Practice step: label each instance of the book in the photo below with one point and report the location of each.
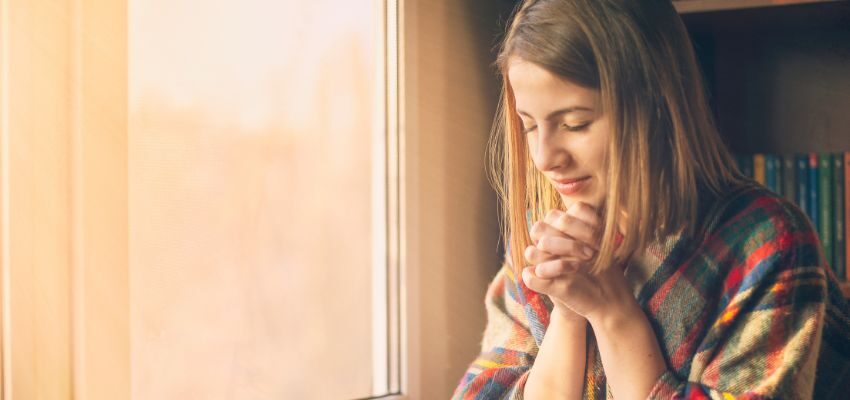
(758, 169)
(745, 163)
(825, 198)
(813, 203)
(802, 175)
(846, 212)
(839, 245)
(770, 172)
(777, 173)
(789, 188)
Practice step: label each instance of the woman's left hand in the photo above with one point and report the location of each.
(592, 295)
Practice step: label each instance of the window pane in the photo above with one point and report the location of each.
(255, 158)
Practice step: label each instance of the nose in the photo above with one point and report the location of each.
(550, 153)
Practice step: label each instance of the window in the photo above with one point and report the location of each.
(262, 199)
(200, 199)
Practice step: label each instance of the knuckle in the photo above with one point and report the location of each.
(528, 275)
(533, 235)
(554, 268)
(563, 265)
(545, 243)
(543, 269)
(529, 252)
(563, 218)
(585, 211)
(568, 224)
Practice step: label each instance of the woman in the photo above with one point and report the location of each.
(640, 263)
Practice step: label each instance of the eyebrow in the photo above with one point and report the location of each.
(558, 112)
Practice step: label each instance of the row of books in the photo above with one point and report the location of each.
(819, 183)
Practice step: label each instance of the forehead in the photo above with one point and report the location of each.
(539, 91)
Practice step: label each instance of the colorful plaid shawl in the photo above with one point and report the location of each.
(747, 309)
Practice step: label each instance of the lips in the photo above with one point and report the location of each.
(569, 187)
(568, 181)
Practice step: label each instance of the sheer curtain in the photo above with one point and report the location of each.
(254, 159)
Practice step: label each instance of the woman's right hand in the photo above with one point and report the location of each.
(550, 243)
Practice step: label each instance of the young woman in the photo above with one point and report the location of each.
(640, 263)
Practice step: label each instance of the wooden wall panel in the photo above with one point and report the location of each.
(449, 99)
(36, 59)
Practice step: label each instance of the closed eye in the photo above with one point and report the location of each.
(576, 128)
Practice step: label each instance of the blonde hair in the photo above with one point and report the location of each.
(664, 148)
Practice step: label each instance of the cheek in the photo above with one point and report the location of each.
(601, 161)
(531, 152)
(600, 153)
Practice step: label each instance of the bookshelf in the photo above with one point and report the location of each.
(777, 73)
(696, 6)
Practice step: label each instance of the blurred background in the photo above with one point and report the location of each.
(252, 200)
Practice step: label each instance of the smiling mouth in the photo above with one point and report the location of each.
(572, 186)
(567, 181)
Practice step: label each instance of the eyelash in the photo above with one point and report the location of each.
(569, 128)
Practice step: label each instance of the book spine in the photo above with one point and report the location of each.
(758, 168)
(846, 213)
(813, 190)
(802, 175)
(839, 245)
(770, 172)
(777, 173)
(789, 187)
(825, 206)
(747, 166)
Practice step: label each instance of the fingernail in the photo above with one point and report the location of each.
(526, 275)
(588, 252)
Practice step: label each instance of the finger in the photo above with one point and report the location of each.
(564, 247)
(535, 255)
(572, 227)
(586, 213)
(556, 268)
(540, 229)
(535, 283)
(556, 288)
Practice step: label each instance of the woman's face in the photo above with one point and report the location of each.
(566, 134)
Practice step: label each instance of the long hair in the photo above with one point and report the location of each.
(664, 147)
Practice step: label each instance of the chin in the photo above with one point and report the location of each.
(594, 201)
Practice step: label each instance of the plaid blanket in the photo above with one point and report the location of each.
(745, 309)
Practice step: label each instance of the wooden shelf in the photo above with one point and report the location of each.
(776, 70)
(698, 6)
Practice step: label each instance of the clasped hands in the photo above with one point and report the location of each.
(564, 247)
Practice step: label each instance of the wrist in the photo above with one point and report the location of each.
(629, 348)
(618, 317)
(564, 314)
